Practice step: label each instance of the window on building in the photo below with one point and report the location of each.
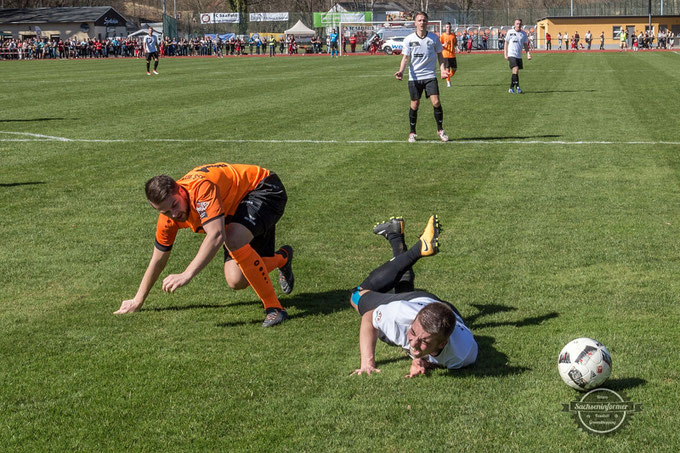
(616, 31)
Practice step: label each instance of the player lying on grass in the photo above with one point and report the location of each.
(236, 207)
(429, 329)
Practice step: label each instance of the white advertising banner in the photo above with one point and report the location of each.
(268, 17)
(220, 18)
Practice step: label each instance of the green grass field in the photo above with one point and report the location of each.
(561, 217)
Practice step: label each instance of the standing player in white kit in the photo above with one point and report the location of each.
(424, 50)
(515, 41)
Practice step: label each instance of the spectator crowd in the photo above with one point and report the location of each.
(43, 48)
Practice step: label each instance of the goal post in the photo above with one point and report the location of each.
(364, 31)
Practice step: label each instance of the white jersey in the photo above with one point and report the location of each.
(151, 43)
(394, 320)
(515, 41)
(423, 53)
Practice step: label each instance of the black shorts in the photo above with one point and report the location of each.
(259, 211)
(450, 63)
(151, 55)
(515, 62)
(416, 87)
(373, 299)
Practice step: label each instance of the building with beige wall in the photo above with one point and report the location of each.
(610, 25)
(99, 22)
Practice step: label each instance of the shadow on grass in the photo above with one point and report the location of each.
(379, 363)
(490, 361)
(15, 184)
(185, 307)
(489, 309)
(308, 304)
(485, 310)
(559, 91)
(28, 120)
(621, 384)
(508, 137)
(458, 84)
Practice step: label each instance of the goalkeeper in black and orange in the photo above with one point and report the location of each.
(449, 42)
(236, 207)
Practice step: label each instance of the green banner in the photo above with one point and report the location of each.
(325, 19)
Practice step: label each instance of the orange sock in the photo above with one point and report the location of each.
(273, 262)
(257, 273)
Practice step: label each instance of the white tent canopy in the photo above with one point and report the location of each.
(300, 29)
(157, 30)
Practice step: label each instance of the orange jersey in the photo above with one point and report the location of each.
(448, 41)
(214, 190)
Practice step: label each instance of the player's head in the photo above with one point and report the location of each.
(150, 31)
(166, 196)
(420, 20)
(448, 27)
(431, 329)
(518, 24)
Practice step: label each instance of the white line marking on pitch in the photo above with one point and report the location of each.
(50, 138)
(47, 137)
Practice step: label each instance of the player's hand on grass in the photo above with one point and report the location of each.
(128, 306)
(174, 281)
(418, 367)
(399, 75)
(445, 74)
(365, 370)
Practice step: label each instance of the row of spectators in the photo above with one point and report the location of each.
(645, 40)
(261, 45)
(35, 48)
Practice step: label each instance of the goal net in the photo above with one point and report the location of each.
(366, 31)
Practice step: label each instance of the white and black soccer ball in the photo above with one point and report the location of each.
(584, 364)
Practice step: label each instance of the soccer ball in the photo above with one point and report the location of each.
(584, 364)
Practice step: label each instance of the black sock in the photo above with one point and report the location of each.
(515, 81)
(148, 63)
(405, 283)
(155, 65)
(397, 243)
(413, 118)
(385, 277)
(439, 117)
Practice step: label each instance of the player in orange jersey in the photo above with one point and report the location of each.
(236, 207)
(449, 42)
